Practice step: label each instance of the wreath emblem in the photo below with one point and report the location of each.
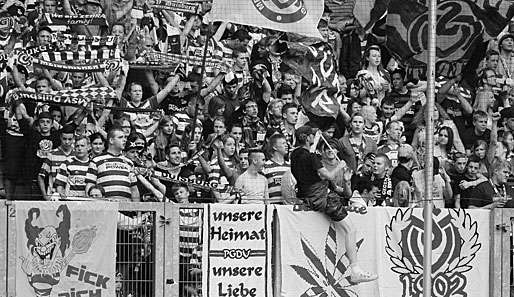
(455, 240)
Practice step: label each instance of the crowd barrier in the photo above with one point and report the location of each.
(148, 258)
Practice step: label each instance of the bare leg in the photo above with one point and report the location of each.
(350, 241)
(357, 275)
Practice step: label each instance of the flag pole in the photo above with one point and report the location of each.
(429, 143)
(201, 79)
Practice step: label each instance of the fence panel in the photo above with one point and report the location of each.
(187, 250)
(139, 250)
(496, 261)
(3, 249)
(507, 250)
(11, 249)
(171, 270)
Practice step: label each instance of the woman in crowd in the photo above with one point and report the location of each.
(444, 148)
(97, 144)
(374, 78)
(441, 119)
(164, 136)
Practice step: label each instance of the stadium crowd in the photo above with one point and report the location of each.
(172, 132)
(225, 135)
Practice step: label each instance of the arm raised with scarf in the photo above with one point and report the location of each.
(54, 83)
(171, 82)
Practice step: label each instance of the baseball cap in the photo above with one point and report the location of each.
(503, 37)
(44, 28)
(45, 115)
(97, 2)
(242, 35)
(507, 113)
(131, 145)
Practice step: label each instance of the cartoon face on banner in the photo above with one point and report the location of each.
(281, 11)
(50, 250)
(455, 244)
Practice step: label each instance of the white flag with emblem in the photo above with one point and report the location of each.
(297, 16)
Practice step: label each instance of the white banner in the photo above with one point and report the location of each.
(237, 250)
(390, 241)
(297, 16)
(65, 249)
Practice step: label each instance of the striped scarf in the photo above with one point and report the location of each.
(69, 97)
(68, 39)
(153, 66)
(198, 184)
(195, 60)
(107, 65)
(358, 149)
(68, 20)
(81, 55)
(176, 6)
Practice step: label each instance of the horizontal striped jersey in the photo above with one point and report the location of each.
(218, 176)
(273, 172)
(114, 173)
(52, 163)
(181, 120)
(189, 231)
(72, 176)
(141, 120)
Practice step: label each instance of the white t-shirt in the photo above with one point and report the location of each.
(254, 189)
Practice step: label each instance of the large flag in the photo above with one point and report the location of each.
(368, 12)
(298, 16)
(65, 249)
(321, 101)
(313, 260)
(316, 64)
(461, 24)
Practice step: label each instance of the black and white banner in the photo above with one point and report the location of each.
(237, 250)
(69, 39)
(69, 97)
(173, 5)
(68, 20)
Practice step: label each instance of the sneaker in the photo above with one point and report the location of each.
(360, 276)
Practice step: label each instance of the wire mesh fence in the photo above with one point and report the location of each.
(135, 254)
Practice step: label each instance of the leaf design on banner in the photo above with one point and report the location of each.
(324, 280)
(305, 274)
(393, 248)
(468, 231)
(312, 259)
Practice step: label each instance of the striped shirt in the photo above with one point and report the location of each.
(243, 77)
(141, 120)
(216, 175)
(189, 231)
(181, 120)
(53, 162)
(72, 176)
(273, 172)
(114, 173)
(373, 133)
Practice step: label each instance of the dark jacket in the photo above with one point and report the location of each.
(348, 154)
